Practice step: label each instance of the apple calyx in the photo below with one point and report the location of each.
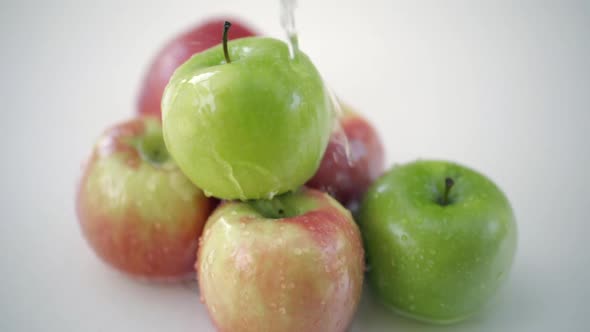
(448, 185)
(152, 148)
(226, 26)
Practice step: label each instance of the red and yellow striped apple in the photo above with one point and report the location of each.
(137, 210)
(291, 264)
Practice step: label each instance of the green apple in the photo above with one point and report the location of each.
(440, 239)
(291, 264)
(251, 127)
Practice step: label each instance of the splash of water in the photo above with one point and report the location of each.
(338, 134)
(288, 24)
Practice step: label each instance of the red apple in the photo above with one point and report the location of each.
(176, 52)
(291, 264)
(137, 210)
(347, 178)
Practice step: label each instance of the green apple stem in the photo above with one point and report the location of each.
(448, 185)
(226, 27)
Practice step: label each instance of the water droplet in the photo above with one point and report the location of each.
(210, 257)
(282, 310)
(412, 307)
(432, 251)
(297, 251)
(291, 285)
(404, 237)
(411, 297)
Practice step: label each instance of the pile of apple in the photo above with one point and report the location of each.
(222, 183)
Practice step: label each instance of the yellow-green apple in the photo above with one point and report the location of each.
(246, 119)
(175, 53)
(137, 210)
(294, 263)
(347, 176)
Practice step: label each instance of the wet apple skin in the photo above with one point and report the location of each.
(300, 273)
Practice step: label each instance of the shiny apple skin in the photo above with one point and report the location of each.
(435, 259)
(293, 274)
(344, 177)
(252, 128)
(142, 218)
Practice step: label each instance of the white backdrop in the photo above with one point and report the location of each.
(501, 86)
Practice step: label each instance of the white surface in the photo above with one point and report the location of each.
(501, 86)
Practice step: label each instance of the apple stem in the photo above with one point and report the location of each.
(448, 185)
(226, 27)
